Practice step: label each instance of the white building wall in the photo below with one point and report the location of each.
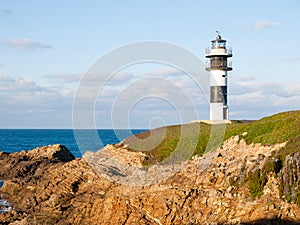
(218, 51)
(218, 78)
(218, 111)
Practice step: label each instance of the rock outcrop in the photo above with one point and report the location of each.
(48, 186)
(290, 178)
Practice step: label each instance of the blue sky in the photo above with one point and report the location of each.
(46, 46)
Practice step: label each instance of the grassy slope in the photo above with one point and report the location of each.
(195, 137)
(198, 138)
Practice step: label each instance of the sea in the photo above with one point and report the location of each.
(15, 140)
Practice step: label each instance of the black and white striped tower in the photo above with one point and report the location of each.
(218, 67)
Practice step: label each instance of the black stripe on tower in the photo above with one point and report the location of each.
(218, 94)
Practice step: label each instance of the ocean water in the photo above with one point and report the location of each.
(15, 140)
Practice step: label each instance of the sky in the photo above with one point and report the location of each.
(47, 47)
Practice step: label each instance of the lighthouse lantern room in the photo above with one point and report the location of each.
(218, 67)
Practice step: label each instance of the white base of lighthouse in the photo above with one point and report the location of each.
(218, 111)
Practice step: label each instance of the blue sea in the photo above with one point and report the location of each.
(15, 140)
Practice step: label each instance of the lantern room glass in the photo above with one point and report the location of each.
(218, 44)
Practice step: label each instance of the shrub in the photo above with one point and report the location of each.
(256, 183)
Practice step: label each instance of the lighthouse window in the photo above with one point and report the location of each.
(222, 44)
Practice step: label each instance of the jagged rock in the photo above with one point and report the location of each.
(290, 178)
(44, 187)
(53, 152)
(23, 164)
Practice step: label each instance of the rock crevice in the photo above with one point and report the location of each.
(49, 186)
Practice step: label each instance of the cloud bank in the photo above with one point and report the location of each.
(249, 99)
(24, 103)
(64, 78)
(27, 45)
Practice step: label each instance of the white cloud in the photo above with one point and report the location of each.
(245, 78)
(169, 71)
(241, 86)
(121, 78)
(293, 59)
(64, 78)
(16, 85)
(51, 105)
(262, 24)
(5, 11)
(27, 44)
(18, 94)
(167, 92)
(253, 100)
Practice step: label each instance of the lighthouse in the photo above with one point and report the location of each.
(218, 66)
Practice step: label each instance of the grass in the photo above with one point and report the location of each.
(198, 138)
(180, 142)
(270, 130)
(256, 183)
(257, 180)
(175, 143)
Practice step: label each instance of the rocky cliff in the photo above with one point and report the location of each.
(231, 185)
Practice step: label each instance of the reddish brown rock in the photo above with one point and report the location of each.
(48, 186)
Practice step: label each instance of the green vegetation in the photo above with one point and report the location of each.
(256, 183)
(275, 129)
(297, 198)
(292, 146)
(180, 142)
(197, 138)
(270, 130)
(234, 181)
(258, 179)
